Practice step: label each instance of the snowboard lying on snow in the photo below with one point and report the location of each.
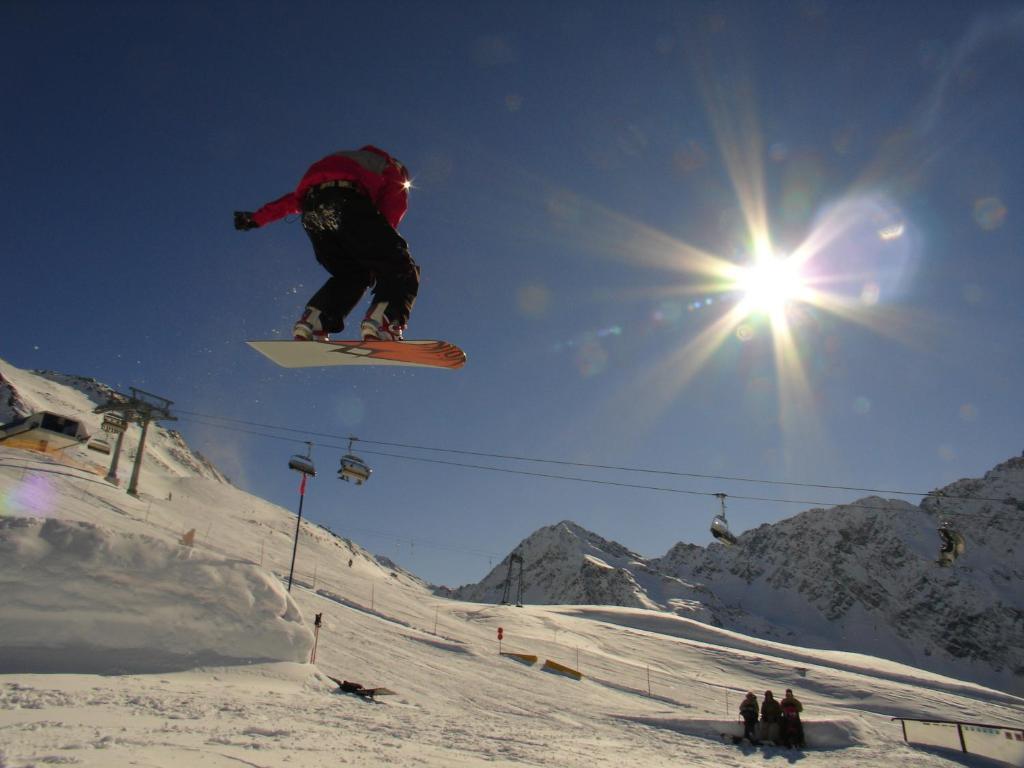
(347, 686)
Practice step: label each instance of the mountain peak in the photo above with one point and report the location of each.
(856, 577)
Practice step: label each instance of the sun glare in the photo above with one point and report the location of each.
(770, 284)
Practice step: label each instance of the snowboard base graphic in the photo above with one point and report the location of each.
(313, 354)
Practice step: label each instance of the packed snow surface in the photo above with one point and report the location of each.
(130, 603)
(204, 659)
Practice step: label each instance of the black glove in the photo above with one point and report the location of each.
(243, 220)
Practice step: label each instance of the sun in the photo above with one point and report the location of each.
(770, 284)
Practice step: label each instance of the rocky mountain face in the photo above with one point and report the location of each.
(860, 577)
(567, 564)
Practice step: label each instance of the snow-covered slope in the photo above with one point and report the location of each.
(657, 688)
(857, 577)
(23, 393)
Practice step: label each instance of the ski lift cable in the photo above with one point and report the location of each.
(619, 484)
(422, 542)
(396, 537)
(584, 465)
(548, 475)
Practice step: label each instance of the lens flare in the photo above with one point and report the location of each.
(533, 300)
(32, 497)
(891, 232)
(989, 213)
(968, 412)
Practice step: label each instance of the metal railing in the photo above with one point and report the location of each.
(997, 742)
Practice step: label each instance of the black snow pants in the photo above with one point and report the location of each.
(355, 243)
(750, 728)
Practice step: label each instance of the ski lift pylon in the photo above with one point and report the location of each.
(303, 464)
(353, 469)
(720, 526)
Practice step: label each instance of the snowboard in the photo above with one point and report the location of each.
(312, 354)
(347, 686)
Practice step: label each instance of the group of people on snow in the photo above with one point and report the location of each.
(779, 720)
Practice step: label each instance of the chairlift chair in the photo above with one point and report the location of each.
(303, 464)
(953, 545)
(353, 469)
(720, 526)
(98, 443)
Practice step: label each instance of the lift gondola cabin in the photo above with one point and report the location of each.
(953, 545)
(43, 431)
(112, 425)
(99, 443)
(720, 526)
(303, 464)
(353, 469)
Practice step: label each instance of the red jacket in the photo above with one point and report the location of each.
(384, 179)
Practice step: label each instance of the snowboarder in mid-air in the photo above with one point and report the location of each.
(351, 203)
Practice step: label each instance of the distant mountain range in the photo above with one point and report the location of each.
(860, 577)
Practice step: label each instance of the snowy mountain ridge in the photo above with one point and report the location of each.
(859, 577)
(170, 463)
(23, 393)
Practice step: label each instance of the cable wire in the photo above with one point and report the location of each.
(584, 465)
(553, 476)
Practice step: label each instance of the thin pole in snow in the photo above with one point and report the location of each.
(298, 524)
(316, 637)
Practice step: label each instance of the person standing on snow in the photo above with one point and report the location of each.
(351, 204)
(771, 712)
(792, 728)
(749, 712)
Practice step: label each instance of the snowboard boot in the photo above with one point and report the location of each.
(377, 327)
(308, 327)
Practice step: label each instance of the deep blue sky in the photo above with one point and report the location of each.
(564, 155)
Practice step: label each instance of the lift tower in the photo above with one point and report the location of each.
(140, 407)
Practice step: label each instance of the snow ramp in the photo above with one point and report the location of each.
(78, 598)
